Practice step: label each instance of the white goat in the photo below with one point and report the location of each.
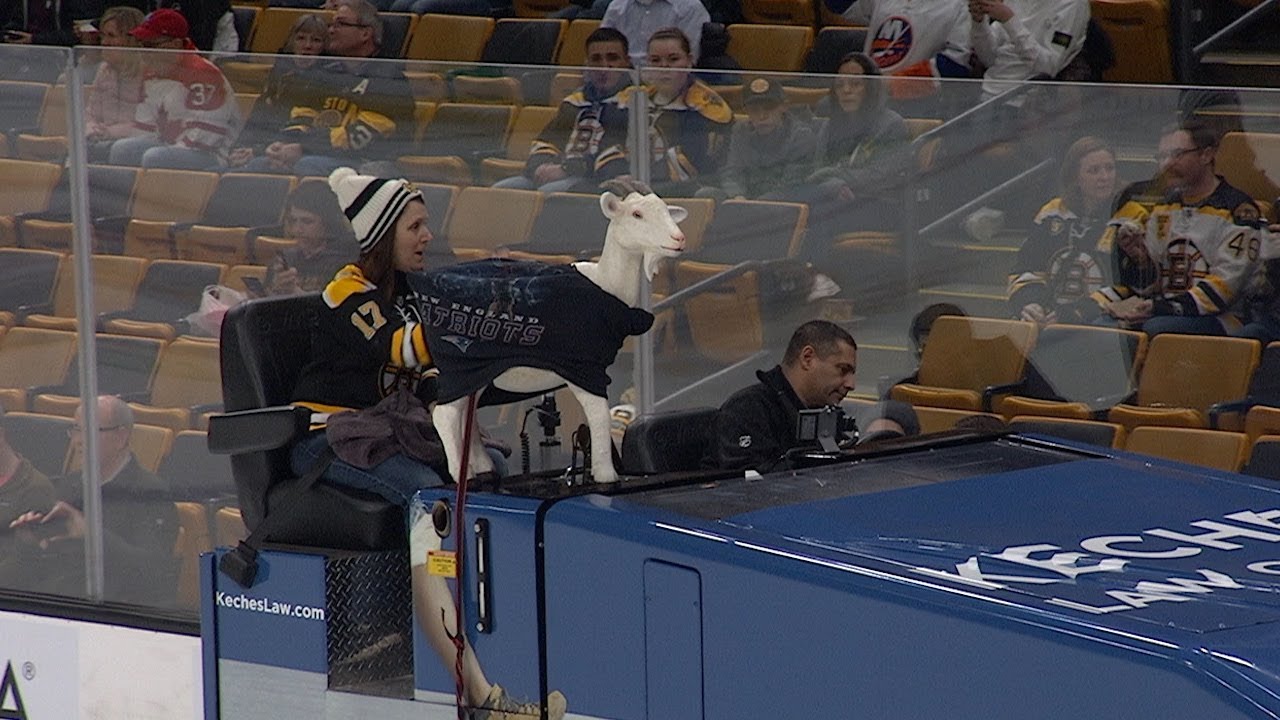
(642, 231)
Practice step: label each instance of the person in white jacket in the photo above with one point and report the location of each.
(1016, 40)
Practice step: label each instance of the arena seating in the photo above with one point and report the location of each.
(32, 357)
(1184, 375)
(1091, 432)
(1211, 448)
(1074, 371)
(963, 358)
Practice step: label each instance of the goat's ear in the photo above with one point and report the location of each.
(678, 214)
(610, 205)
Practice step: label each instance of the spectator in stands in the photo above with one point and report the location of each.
(887, 420)
(347, 111)
(139, 522)
(1067, 257)
(40, 22)
(756, 426)
(1262, 303)
(923, 321)
(771, 150)
(1017, 40)
(642, 20)
(213, 26)
(117, 87)
(301, 51)
(1204, 240)
(863, 154)
(188, 116)
(325, 243)
(687, 119)
(22, 487)
(912, 40)
(590, 126)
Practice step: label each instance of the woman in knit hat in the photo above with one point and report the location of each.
(371, 342)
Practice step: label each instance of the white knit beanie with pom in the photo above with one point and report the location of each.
(372, 204)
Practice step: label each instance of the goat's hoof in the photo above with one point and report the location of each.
(603, 478)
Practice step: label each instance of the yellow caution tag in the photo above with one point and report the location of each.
(442, 562)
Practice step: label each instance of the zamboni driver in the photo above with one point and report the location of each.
(756, 426)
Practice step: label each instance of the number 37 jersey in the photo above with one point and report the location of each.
(1205, 251)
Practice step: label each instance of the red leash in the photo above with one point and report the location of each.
(459, 542)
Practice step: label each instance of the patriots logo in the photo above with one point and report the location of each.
(892, 41)
(458, 341)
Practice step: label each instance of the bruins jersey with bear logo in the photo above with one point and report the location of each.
(1205, 250)
(365, 346)
(1067, 257)
(360, 114)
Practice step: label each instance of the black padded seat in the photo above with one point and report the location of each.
(667, 442)
(265, 343)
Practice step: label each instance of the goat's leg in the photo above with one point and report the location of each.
(596, 410)
(448, 418)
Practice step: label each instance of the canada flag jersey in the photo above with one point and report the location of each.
(190, 105)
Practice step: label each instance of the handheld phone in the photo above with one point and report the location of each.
(254, 285)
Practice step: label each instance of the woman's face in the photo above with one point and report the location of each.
(850, 86)
(412, 236)
(115, 37)
(304, 226)
(305, 42)
(668, 53)
(1096, 178)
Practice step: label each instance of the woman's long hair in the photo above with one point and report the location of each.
(1069, 172)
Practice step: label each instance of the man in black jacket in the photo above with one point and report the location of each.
(756, 426)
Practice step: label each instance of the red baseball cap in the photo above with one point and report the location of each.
(163, 23)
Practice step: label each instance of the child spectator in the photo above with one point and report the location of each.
(325, 243)
(771, 150)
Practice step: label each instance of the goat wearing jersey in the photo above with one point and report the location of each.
(365, 346)
(912, 38)
(351, 113)
(1066, 259)
(189, 104)
(1205, 250)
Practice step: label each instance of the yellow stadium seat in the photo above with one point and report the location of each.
(963, 357)
(487, 218)
(1216, 449)
(449, 38)
(1184, 375)
(1139, 33)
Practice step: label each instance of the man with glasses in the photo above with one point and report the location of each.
(188, 117)
(1204, 238)
(348, 111)
(139, 521)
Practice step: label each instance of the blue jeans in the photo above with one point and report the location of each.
(520, 182)
(447, 7)
(397, 478)
(151, 153)
(1181, 325)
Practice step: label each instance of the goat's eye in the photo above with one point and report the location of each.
(636, 214)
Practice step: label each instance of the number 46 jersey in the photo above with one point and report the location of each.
(1206, 251)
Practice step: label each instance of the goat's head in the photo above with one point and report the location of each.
(640, 222)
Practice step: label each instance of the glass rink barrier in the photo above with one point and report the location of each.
(1086, 262)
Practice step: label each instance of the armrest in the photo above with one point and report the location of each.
(205, 407)
(24, 311)
(989, 393)
(246, 431)
(35, 390)
(50, 215)
(1226, 408)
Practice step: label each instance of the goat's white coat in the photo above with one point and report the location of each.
(642, 231)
